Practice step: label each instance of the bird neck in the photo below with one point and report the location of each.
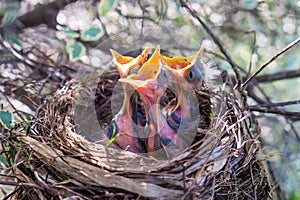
(126, 106)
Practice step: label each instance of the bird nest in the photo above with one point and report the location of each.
(224, 162)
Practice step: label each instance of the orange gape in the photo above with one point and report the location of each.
(125, 63)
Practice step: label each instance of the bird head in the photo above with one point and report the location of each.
(150, 84)
(149, 79)
(125, 64)
(185, 74)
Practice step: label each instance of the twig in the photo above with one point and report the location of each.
(143, 14)
(100, 20)
(252, 53)
(271, 60)
(145, 17)
(253, 183)
(280, 104)
(21, 184)
(12, 105)
(293, 129)
(272, 77)
(278, 76)
(217, 41)
(45, 14)
(292, 115)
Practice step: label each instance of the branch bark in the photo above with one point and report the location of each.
(45, 14)
(217, 41)
(278, 76)
(271, 60)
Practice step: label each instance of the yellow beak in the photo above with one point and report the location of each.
(179, 62)
(151, 68)
(145, 79)
(125, 63)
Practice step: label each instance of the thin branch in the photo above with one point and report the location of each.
(280, 104)
(291, 115)
(145, 17)
(217, 41)
(21, 184)
(293, 129)
(143, 14)
(271, 77)
(271, 60)
(278, 76)
(45, 14)
(252, 52)
(254, 96)
(100, 20)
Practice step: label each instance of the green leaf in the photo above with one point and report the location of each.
(93, 33)
(293, 3)
(105, 6)
(13, 39)
(27, 116)
(111, 140)
(6, 119)
(211, 116)
(37, 5)
(75, 50)
(3, 160)
(69, 31)
(10, 12)
(249, 4)
(271, 5)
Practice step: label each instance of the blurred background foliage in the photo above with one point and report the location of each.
(252, 31)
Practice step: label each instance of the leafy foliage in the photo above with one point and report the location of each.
(6, 119)
(93, 33)
(69, 32)
(105, 6)
(75, 50)
(10, 12)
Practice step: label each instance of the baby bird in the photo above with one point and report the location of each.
(123, 128)
(127, 65)
(185, 75)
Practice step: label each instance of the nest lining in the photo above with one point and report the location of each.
(62, 163)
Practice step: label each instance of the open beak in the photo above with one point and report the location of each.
(178, 68)
(194, 57)
(151, 68)
(125, 63)
(179, 62)
(119, 59)
(146, 74)
(145, 81)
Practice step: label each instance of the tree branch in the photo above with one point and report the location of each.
(217, 41)
(271, 77)
(278, 76)
(280, 104)
(271, 60)
(45, 14)
(291, 115)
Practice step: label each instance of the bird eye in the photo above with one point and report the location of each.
(193, 75)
